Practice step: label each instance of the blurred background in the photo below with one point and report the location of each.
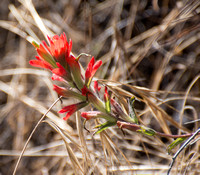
(150, 44)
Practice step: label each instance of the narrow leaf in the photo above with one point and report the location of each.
(104, 126)
(132, 110)
(174, 144)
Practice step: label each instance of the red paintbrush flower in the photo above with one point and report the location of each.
(58, 58)
(57, 51)
(91, 70)
(61, 50)
(72, 108)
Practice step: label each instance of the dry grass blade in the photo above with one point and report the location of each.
(29, 138)
(186, 95)
(34, 104)
(21, 71)
(22, 22)
(29, 5)
(117, 148)
(111, 149)
(86, 156)
(13, 28)
(76, 165)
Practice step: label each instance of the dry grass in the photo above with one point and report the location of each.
(150, 49)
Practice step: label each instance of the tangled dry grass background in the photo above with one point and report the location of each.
(153, 45)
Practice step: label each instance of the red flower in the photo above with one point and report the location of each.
(97, 88)
(58, 51)
(44, 56)
(57, 57)
(72, 108)
(91, 70)
(59, 47)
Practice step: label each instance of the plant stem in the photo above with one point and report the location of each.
(135, 127)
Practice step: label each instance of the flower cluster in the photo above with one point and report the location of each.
(65, 67)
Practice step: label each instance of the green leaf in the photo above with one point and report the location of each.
(132, 114)
(174, 144)
(108, 105)
(104, 126)
(147, 131)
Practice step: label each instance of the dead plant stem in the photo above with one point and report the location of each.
(29, 138)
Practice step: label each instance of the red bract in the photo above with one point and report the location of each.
(59, 47)
(106, 95)
(69, 109)
(61, 72)
(91, 70)
(56, 77)
(58, 51)
(59, 90)
(93, 114)
(97, 88)
(72, 108)
(45, 55)
(40, 63)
